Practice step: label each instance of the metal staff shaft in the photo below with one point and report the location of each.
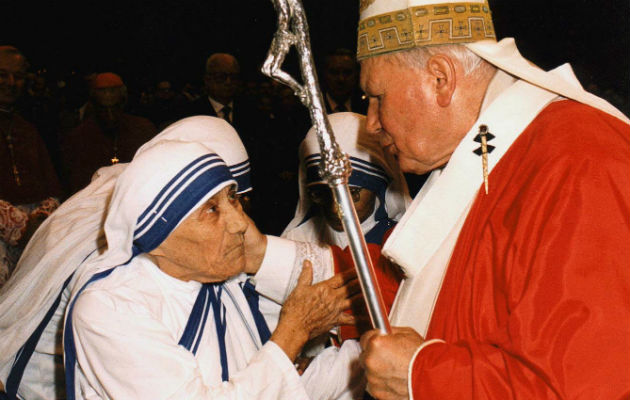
(334, 167)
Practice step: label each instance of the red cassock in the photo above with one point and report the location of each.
(535, 303)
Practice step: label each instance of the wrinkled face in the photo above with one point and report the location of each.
(340, 76)
(222, 79)
(321, 195)
(208, 245)
(404, 113)
(12, 77)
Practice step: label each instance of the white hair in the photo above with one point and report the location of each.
(418, 56)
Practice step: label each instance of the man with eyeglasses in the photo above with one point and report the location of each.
(222, 82)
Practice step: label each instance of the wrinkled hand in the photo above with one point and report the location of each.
(255, 246)
(386, 359)
(311, 310)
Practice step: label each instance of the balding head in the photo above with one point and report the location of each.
(222, 77)
(219, 61)
(13, 66)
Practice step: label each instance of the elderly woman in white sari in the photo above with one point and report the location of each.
(166, 310)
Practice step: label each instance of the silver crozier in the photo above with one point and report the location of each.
(334, 167)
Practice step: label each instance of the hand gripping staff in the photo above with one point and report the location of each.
(334, 167)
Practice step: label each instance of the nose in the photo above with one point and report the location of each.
(372, 122)
(236, 222)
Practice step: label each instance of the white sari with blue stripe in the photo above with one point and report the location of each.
(132, 331)
(131, 325)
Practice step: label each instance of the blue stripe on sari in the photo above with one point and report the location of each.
(171, 188)
(180, 206)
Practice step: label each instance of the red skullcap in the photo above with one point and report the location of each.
(106, 80)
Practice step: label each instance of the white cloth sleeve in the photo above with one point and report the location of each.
(336, 373)
(123, 356)
(282, 266)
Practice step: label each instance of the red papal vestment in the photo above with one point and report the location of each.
(535, 303)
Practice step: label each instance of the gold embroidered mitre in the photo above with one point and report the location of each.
(386, 26)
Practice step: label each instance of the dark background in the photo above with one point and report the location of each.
(144, 40)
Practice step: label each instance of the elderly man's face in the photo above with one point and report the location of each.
(12, 77)
(404, 112)
(208, 245)
(223, 80)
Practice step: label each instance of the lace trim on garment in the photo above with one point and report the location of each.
(319, 256)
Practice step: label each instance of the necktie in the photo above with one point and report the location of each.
(226, 110)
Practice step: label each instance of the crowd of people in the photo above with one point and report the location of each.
(64, 131)
(154, 249)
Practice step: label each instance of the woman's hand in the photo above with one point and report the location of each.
(311, 310)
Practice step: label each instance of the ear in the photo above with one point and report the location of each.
(442, 69)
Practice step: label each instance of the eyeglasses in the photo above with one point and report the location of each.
(321, 194)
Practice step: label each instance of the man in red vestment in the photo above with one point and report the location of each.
(515, 252)
(107, 136)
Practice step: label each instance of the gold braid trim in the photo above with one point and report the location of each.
(424, 26)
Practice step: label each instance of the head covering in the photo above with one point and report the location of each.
(370, 169)
(168, 178)
(106, 80)
(387, 26)
(127, 209)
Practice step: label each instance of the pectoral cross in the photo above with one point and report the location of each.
(483, 137)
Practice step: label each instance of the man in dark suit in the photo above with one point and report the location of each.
(340, 81)
(222, 81)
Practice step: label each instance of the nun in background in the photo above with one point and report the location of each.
(377, 187)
